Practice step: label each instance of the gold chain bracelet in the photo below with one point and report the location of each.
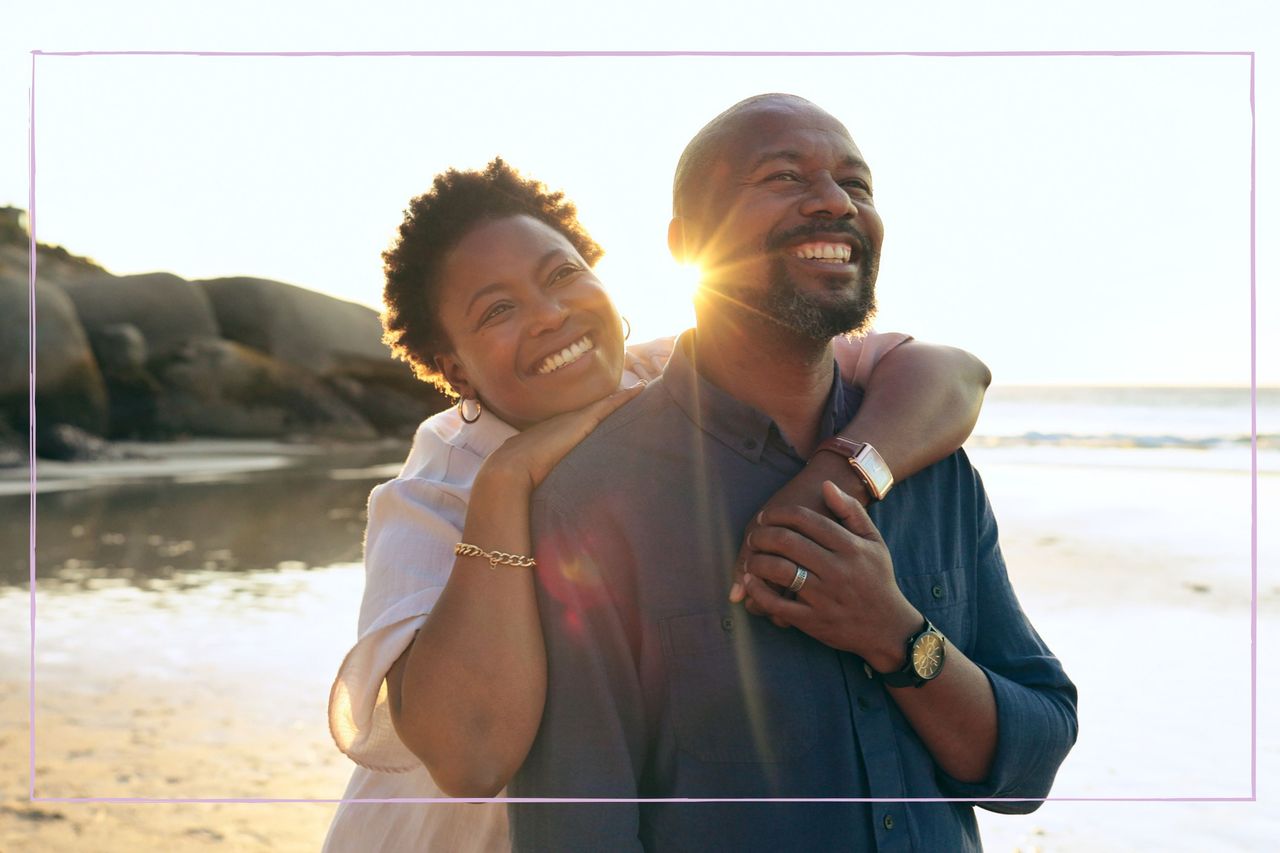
(495, 558)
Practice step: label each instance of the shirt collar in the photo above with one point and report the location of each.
(737, 425)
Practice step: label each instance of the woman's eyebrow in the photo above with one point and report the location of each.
(497, 285)
(483, 292)
(551, 256)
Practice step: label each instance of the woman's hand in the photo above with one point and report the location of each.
(525, 460)
(649, 359)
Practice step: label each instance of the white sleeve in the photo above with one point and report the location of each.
(413, 525)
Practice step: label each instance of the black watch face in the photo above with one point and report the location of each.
(926, 655)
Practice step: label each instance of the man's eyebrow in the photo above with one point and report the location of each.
(792, 156)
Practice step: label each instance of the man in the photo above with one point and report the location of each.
(895, 663)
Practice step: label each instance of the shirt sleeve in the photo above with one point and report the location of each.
(874, 347)
(592, 741)
(408, 558)
(1035, 700)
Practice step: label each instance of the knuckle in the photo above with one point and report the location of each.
(772, 538)
(782, 515)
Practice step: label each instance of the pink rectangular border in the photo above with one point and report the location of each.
(1253, 388)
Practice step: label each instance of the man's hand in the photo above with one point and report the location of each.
(850, 599)
(804, 490)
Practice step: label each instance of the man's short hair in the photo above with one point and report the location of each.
(699, 155)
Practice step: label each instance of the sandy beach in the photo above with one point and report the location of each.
(209, 684)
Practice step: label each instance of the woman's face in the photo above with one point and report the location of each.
(532, 330)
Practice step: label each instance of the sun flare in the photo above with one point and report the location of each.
(656, 299)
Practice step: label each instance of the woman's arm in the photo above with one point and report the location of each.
(921, 402)
(466, 696)
(646, 360)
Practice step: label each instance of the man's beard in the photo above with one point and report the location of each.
(816, 316)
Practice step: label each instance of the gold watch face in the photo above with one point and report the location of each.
(926, 655)
(875, 472)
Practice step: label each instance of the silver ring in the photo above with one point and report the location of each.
(802, 575)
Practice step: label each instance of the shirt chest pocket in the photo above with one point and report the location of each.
(739, 688)
(944, 598)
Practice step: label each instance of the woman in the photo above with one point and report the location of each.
(490, 295)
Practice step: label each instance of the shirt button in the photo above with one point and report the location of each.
(726, 623)
(888, 821)
(863, 704)
(937, 591)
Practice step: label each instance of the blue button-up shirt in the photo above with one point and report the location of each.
(659, 688)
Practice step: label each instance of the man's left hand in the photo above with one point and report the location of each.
(850, 599)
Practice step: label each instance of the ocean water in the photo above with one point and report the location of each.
(307, 511)
(1171, 427)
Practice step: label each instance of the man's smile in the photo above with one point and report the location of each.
(834, 253)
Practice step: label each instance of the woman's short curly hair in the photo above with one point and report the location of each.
(434, 223)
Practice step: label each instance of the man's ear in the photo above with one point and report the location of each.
(455, 373)
(678, 239)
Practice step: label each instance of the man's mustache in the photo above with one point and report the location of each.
(779, 241)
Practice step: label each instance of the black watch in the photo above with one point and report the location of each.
(926, 653)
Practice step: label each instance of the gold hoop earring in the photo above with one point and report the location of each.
(462, 413)
(627, 334)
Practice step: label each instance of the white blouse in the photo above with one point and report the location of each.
(414, 522)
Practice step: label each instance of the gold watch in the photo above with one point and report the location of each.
(926, 653)
(865, 460)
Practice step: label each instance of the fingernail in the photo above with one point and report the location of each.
(760, 517)
(736, 592)
(749, 545)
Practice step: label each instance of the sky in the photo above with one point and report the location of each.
(1067, 219)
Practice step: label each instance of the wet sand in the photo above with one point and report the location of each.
(216, 688)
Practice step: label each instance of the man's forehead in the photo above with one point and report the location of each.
(780, 127)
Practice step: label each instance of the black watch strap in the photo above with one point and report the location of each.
(909, 676)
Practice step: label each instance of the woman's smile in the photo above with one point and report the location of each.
(533, 332)
(566, 356)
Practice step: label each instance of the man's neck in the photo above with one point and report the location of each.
(769, 368)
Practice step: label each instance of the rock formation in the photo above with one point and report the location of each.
(155, 356)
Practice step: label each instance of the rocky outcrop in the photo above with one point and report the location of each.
(219, 388)
(168, 311)
(133, 391)
(304, 328)
(69, 388)
(155, 356)
(339, 341)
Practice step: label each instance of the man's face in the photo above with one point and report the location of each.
(787, 228)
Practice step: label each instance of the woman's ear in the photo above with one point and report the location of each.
(456, 375)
